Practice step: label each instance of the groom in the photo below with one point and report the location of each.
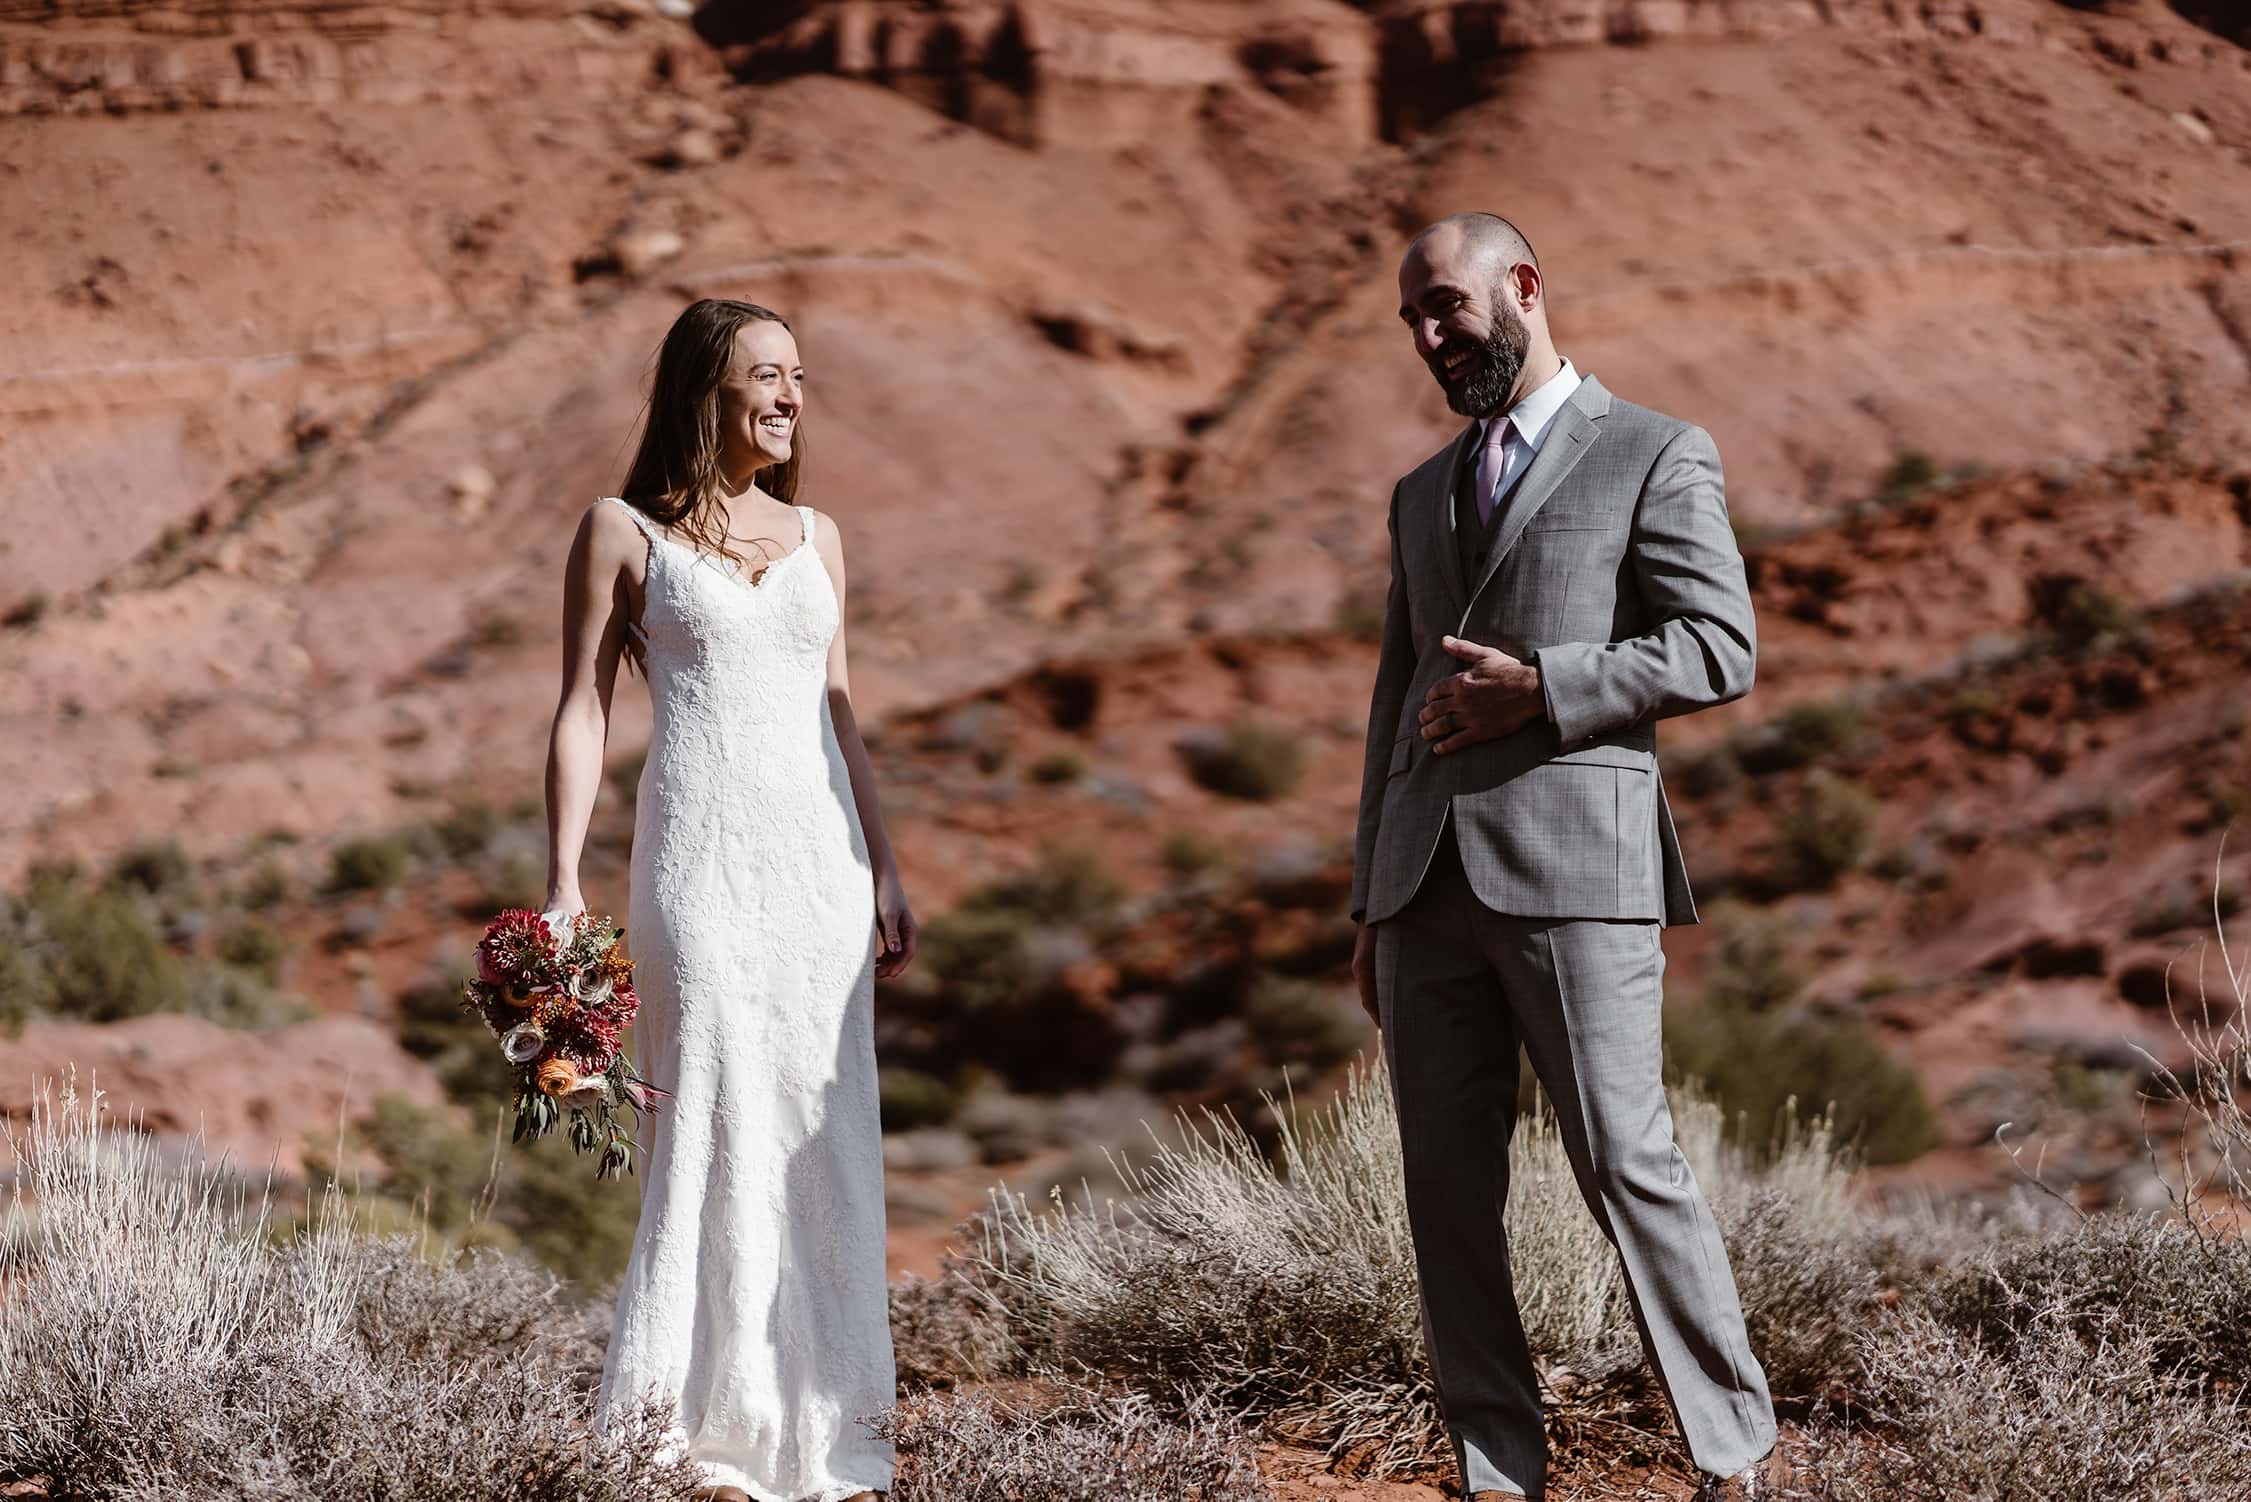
(1563, 576)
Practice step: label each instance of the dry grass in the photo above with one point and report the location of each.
(1069, 1443)
(2107, 1358)
(1285, 1288)
(161, 1338)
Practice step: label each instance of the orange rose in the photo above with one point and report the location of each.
(558, 1076)
(518, 996)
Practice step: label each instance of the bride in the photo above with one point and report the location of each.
(765, 902)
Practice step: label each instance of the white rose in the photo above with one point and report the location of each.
(522, 1043)
(593, 1091)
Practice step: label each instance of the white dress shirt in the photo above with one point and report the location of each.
(1530, 420)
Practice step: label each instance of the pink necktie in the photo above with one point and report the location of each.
(1492, 463)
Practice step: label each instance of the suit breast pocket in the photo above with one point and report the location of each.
(1561, 575)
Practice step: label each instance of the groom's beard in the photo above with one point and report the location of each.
(1484, 388)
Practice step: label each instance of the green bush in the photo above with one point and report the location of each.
(1823, 834)
(256, 947)
(1801, 736)
(158, 867)
(1751, 964)
(1764, 1066)
(86, 952)
(2106, 1277)
(911, 1099)
(466, 830)
(1249, 760)
(1066, 885)
(372, 863)
(2082, 615)
(539, 1196)
(1189, 852)
(267, 887)
(1911, 473)
(1305, 1022)
(1057, 768)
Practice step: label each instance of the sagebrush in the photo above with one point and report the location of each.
(162, 1338)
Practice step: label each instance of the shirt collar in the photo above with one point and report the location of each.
(1536, 412)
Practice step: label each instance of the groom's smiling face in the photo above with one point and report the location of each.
(1466, 332)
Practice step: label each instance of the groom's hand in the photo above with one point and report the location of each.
(1492, 697)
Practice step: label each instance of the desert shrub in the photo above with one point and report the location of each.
(1305, 1022)
(1248, 760)
(1065, 885)
(71, 949)
(92, 952)
(1752, 965)
(2082, 615)
(368, 864)
(1823, 833)
(927, 1150)
(1801, 736)
(945, 1332)
(1189, 852)
(1057, 768)
(266, 887)
(465, 830)
(419, 1167)
(1808, 1289)
(158, 867)
(1068, 1442)
(237, 998)
(912, 1099)
(1006, 1127)
(1285, 1285)
(256, 947)
(1950, 1418)
(2111, 1277)
(160, 1340)
(510, 879)
(1764, 1067)
(1003, 965)
(1910, 473)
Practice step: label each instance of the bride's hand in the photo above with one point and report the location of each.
(564, 898)
(895, 926)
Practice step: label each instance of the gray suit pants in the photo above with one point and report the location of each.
(1460, 987)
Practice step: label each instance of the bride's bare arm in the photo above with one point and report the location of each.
(895, 921)
(596, 607)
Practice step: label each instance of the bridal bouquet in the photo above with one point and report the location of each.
(558, 993)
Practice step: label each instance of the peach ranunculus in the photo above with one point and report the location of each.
(558, 1076)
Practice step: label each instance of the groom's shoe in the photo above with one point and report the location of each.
(1495, 1497)
(1762, 1479)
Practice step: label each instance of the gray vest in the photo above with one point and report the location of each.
(1473, 539)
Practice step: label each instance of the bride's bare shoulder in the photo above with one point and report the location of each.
(609, 536)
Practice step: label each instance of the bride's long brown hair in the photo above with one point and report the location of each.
(675, 480)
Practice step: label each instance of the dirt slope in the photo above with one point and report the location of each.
(328, 319)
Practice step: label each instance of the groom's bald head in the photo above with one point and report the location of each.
(1483, 244)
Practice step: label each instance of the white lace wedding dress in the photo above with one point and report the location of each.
(755, 1297)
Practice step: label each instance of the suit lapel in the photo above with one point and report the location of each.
(1573, 433)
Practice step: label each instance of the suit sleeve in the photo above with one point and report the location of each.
(1689, 572)
(1395, 669)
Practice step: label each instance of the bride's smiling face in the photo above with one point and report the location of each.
(760, 400)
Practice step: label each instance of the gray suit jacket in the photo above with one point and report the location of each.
(1613, 567)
